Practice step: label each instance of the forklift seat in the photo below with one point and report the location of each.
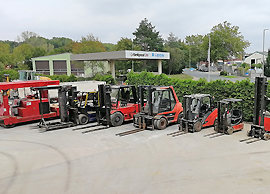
(236, 113)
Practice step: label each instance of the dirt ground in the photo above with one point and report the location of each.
(67, 161)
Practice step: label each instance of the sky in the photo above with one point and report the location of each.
(109, 20)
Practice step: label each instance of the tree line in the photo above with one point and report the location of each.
(226, 42)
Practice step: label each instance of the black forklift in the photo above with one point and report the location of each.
(230, 117)
(159, 106)
(68, 111)
(260, 129)
(199, 112)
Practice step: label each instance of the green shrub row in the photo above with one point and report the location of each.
(220, 89)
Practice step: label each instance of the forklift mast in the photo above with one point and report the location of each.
(104, 109)
(260, 100)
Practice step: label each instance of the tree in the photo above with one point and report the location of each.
(109, 47)
(267, 65)
(147, 37)
(88, 44)
(196, 51)
(22, 56)
(94, 66)
(177, 51)
(226, 42)
(25, 36)
(59, 42)
(5, 55)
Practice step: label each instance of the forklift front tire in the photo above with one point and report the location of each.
(83, 119)
(197, 126)
(230, 130)
(216, 126)
(266, 136)
(161, 123)
(180, 116)
(117, 119)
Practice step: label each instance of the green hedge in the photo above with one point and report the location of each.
(220, 89)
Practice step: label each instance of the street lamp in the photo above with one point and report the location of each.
(263, 49)
(208, 58)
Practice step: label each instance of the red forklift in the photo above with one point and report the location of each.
(114, 105)
(14, 110)
(199, 112)
(160, 108)
(230, 117)
(260, 129)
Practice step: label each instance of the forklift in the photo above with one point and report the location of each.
(68, 110)
(230, 117)
(199, 112)
(160, 108)
(260, 129)
(113, 105)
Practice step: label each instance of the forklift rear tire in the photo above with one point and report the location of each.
(83, 119)
(197, 126)
(117, 119)
(161, 123)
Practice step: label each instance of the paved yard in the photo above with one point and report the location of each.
(66, 161)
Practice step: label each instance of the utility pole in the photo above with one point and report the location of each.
(208, 59)
(263, 50)
(189, 56)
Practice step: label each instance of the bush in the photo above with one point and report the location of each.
(244, 65)
(220, 89)
(223, 73)
(13, 74)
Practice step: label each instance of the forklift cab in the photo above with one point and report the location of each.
(230, 116)
(199, 111)
(122, 95)
(163, 101)
(159, 107)
(197, 106)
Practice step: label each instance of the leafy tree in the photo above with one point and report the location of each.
(59, 42)
(39, 52)
(226, 41)
(88, 44)
(25, 36)
(176, 63)
(12, 44)
(177, 55)
(267, 65)
(5, 55)
(147, 37)
(196, 51)
(22, 56)
(126, 44)
(13, 74)
(94, 66)
(109, 47)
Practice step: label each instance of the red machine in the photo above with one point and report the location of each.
(18, 110)
(161, 108)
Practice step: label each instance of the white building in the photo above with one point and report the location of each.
(255, 58)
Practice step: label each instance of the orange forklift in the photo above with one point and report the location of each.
(160, 108)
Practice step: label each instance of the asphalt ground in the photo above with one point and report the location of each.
(67, 161)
